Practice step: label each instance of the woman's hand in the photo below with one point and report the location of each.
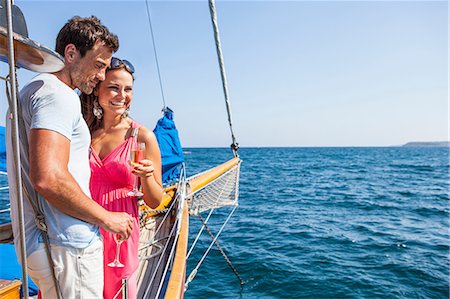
(143, 169)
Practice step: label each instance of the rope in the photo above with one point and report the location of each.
(198, 235)
(194, 272)
(221, 251)
(158, 264)
(123, 289)
(222, 188)
(173, 234)
(212, 10)
(155, 53)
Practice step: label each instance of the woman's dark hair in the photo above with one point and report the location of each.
(84, 33)
(87, 104)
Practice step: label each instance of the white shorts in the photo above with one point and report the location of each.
(79, 271)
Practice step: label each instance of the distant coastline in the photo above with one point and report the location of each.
(427, 144)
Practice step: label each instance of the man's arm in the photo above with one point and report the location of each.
(49, 157)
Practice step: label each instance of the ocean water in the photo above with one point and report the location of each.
(329, 223)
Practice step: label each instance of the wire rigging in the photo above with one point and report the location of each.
(155, 53)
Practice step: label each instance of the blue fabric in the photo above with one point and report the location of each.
(2, 149)
(11, 269)
(170, 147)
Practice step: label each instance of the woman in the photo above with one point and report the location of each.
(114, 135)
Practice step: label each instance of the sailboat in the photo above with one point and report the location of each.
(163, 248)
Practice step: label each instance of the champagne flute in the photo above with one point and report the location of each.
(137, 154)
(116, 263)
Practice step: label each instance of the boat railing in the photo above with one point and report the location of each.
(158, 250)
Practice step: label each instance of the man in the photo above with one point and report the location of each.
(55, 167)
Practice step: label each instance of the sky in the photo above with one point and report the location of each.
(300, 73)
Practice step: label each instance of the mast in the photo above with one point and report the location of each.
(15, 143)
(212, 10)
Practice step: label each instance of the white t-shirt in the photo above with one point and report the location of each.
(48, 103)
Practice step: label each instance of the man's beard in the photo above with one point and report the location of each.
(84, 87)
(81, 82)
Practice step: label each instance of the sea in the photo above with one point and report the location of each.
(335, 222)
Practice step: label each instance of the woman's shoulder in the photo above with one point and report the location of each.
(146, 135)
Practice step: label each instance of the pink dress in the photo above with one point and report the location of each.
(111, 180)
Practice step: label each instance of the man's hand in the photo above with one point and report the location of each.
(119, 223)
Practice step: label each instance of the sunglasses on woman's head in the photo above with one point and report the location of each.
(117, 62)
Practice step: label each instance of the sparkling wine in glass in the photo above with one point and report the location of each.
(137, 154)
(116, 263)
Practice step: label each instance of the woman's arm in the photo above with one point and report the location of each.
(149, 169)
